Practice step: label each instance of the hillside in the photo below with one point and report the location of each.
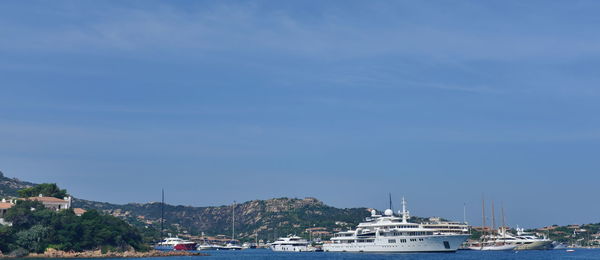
(266, 218)
(9, 187)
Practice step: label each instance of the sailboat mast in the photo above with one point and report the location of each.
(465, 212)
(503, 224)
(482, 216)
(233, 222)
(162, 214)
(493, 218)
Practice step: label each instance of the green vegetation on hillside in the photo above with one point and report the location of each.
(46, 189)
(266, 218)
(36, 228)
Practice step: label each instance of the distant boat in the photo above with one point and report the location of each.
(291, 244)
(559, 246)
(232, 245)
(208, 247)
(489, 243)
(175, 243)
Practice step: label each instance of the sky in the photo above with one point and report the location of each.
(346, 101)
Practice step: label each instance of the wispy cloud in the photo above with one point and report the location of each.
(330, 34)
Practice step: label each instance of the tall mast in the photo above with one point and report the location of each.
(482, 216)
(233, 223)
(162, 214)
(404, 212)
(465, 212)
(493, 218)
(391, 202)
(503, 224)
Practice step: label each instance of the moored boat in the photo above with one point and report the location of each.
(291, 244)
(175, 243)
(388, 233)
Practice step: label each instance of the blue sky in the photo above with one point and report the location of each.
(345, 101)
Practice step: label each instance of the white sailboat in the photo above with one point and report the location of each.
(487, 244)
(232, 245)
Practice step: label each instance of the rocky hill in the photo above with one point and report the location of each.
(265, 218)
(10, 186)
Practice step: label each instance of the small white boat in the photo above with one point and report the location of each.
(208, 247)
(570, 250)
(230, 246)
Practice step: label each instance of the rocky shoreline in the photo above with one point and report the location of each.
(50, 253)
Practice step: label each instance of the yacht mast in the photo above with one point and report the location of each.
(391, 202)
(493, 219)
(482, 216)
(162, 214)
(404, 212)
(465, 212)
(503, 224)
(233, 222)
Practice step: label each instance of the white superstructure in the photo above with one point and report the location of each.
(291, 244)
(391, 234)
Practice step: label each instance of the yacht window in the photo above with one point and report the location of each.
(392, 241)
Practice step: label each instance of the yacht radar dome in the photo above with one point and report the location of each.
(388, 212)
(373, 212)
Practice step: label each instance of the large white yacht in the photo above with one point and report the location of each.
(391, 234)
(521, 241)
(291, 244)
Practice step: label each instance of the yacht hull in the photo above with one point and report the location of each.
(442, 243)
(290, 248)
(493, 248)
(537, 245)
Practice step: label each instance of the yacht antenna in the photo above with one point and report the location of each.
(404, 212)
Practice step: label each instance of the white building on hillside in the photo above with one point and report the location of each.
(52, 202)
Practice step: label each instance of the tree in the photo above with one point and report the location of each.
(33, 239)
(46, 189)
(22, 214)
(6, 238)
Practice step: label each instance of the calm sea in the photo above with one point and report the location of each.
(260, 254)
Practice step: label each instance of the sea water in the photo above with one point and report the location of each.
(263, 254)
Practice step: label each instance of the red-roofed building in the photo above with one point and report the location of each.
(52, 202)
(79, 211)
(4, 206)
